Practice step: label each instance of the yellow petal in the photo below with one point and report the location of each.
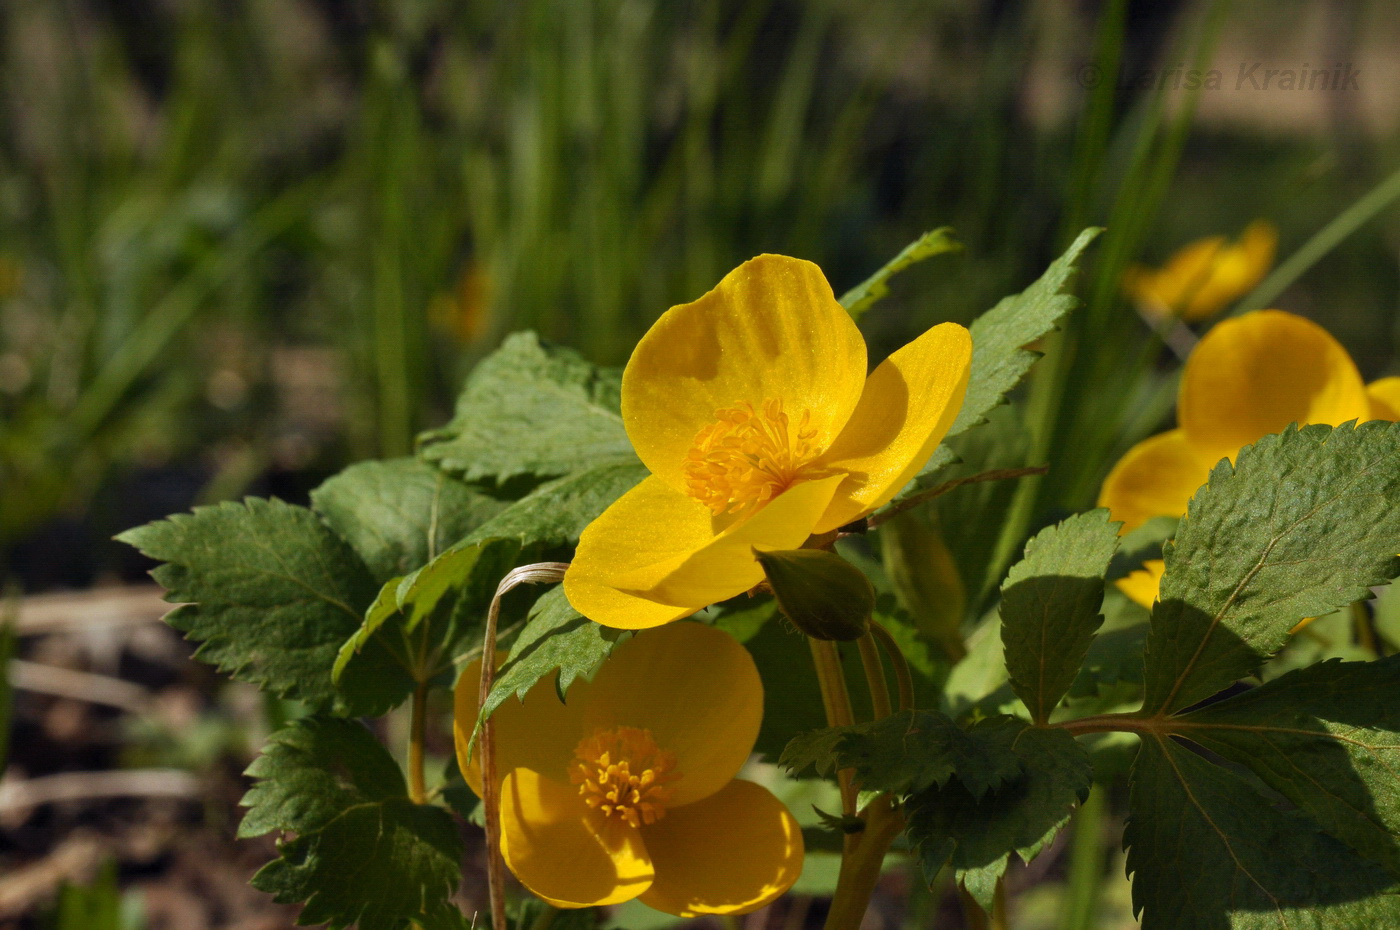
(1256, 374)
(539, 733)
(1234, 272)
(725, 566)
(1156, 478)
(1141, 586)
(731, 853)
(650, 525)
(770, 330)
(909, 403)
(698, 692)
(1385, 398)
(564, 852)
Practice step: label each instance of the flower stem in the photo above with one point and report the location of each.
(837, 702)
(902, 676)
(417, 728)
(875, 676)
(861, 864)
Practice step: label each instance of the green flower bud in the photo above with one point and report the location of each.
(824, 596)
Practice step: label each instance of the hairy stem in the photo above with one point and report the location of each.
(861, 864)
(875, 676)
(836, 700)
(902, 676)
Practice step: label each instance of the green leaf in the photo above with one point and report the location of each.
(531, 410)
(270, 593)
(909, 752)
(555, 513)
(312, 770)
(364, 853)
(1325, 737)
(556, 638)
(1304, 523)
(1114, 657)
(950, 824)
(431, 616)
(864, 295)
(1207, 851)
(399, 514)
(1050, 607)
(999, 336)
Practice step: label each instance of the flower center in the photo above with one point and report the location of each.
(748, 456)
(624, 774)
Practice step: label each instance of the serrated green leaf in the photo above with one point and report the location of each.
(440, 608)
(1304, 523)
(270, 593)
(1114, 657)
(531, 410)
(312, 770)
(400, 513)
(864, 295)
(556, 638)
(1050, 607)
(948, 824)
(999, 336)
(1325, 737)
(1208, 852)
(377, 864)
(909, 752)
(555, 513)
(364, 853)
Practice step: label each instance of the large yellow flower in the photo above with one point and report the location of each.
(1204, 277)
(752, 409)
(628, 790)
(1247, 378)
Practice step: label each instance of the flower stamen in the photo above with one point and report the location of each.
(624, 774)
(748, 456)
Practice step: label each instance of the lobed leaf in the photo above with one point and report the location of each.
(1304, 523)
(1050, 605)
(952, 825)
(400, 513)
(364, 853)
(1327, 738)
(555, 513)
(528, 409)
(270, 593)
(1208, 852)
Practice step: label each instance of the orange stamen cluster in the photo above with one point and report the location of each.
(624, 774)
(747, 457)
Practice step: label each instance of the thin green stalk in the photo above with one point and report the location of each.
(417, 730)
(861, 864)
(836, 700)
(875, 676)
(1086, 862)
(902, 676)
(1367, 208)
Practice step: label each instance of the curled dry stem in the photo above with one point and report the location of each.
(537, 573)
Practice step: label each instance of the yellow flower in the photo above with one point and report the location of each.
(1248, 377)
(752, 409)
(628, 790)
(465, 314)
(1205, 277)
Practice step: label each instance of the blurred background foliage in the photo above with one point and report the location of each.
(244, 243)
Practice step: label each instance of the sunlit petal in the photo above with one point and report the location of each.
(731, 853)
(771, 330)
(1256, 374)
(1385, 398)
(698, 692)
(1156, 478)
(909, 403)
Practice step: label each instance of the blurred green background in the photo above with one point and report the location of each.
(244, 243)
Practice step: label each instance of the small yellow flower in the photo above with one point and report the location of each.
(628, 790)
(1205, 277)
(1248, 377)
(752, 409)
(465, 313)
